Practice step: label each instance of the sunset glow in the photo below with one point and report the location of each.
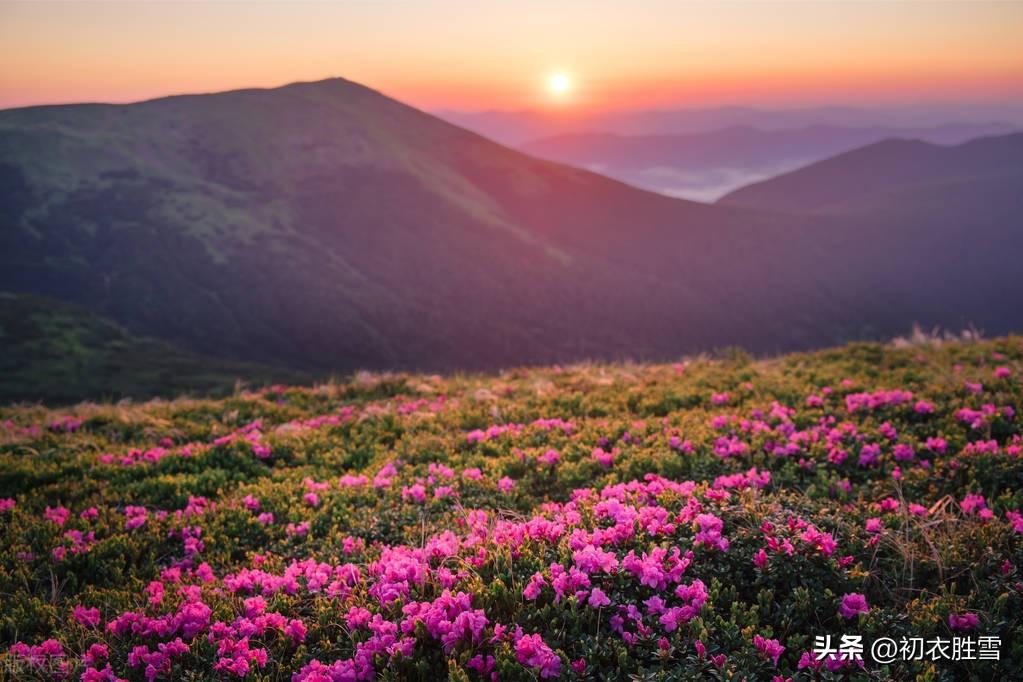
(462, 55)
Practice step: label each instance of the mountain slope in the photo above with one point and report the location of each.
(323, 226)
(59, 353)
(856, 176)
(708, 165)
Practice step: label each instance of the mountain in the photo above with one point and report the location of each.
(859, 177)
(59, 353)
(516, 128)
(704, 166)
(325, 227)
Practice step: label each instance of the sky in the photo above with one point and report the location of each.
(503, 54)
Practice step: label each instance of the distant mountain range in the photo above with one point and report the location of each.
(705, 166)
(324, 227)
(515, 128)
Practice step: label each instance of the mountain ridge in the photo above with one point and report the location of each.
(326, 227)
(879, 166)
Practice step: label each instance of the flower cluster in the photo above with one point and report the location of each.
(702, 520)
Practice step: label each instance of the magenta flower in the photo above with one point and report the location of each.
(550, 458)
(973, 504)
(87, 617)
(852, 605)
(57, 515)
(531, 651)
(760, 559)
(768, 648)
(605, 459)
(534, 587)
(482, 666)
(598, 598)
(136, 517)
(963, 622)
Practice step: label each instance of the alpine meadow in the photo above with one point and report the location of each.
(511, 342)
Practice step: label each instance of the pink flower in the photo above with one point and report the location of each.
(963, 622)
(869, 454)
(605, 459)
(531, 651)
(482, 666)
(918, 510)
(709, 534)
(505, 485)
(57, 515)
(903, 453)
(923, 407)
(136, 517)
(760, 559)
(975, 504)
(598, 598)
(768, 648)
(852, 605)
(534, 587)
(296, 630)
(254, 606)
(87, 617)
(297, 529)
(414, 492)
(550, 458)
(874, 525)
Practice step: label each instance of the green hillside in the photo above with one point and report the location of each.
(58, 353)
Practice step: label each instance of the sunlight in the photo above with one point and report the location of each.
(559, 84)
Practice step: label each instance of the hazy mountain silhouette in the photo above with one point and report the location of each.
(520, 127)
(854, 179)
(705, 166)
(323, 226)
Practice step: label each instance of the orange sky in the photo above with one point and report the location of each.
(500, 54)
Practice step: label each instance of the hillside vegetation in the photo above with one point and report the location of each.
(59, 353)
(705, 519)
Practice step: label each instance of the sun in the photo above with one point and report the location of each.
(559, 84)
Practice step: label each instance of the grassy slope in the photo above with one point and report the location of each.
(58, 353)
(914, 573)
